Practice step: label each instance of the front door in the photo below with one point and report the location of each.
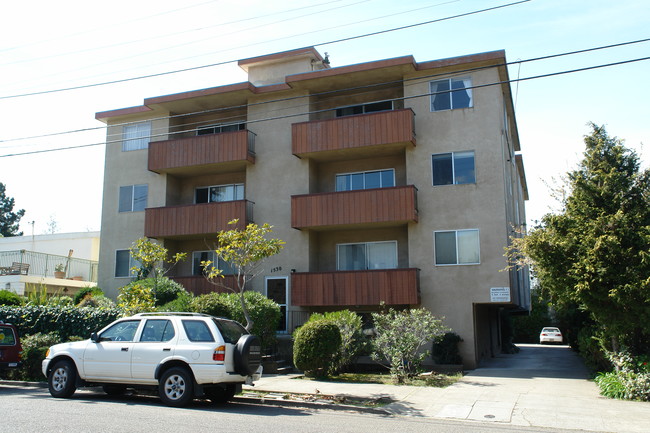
(276, 290)
(110, 358)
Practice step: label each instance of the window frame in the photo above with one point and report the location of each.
(226, 270)
(133, 198)
(478, 247)
(364, 173)
(141, 138)
(234, 185)
(366, 255)
(218, 128)
(453, 168)
(449, 93)
(364, 108)
(132, 263)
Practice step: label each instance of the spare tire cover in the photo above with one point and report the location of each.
(248, 355)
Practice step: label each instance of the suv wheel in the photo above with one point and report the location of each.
(176, 387)
(248, 355)
(62, 378)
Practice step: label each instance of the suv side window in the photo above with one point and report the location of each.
(198, 331)
(121, 331)
(7, 337)
(157, 330)
(230, 331)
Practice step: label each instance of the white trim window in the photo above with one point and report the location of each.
(221, 127)
(457, 247)
(370, 107)
(365, 180)
(368, 255)
(451, 93)
(453, 168)
(219, 193)
(133, 198)
(124, 263)
(136, 136)
(203, 256)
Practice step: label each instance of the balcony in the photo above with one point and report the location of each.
(225, 152)
(385, 132)
(381, 206)
(347, 288)
(196, 220)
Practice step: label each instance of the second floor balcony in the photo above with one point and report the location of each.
(196, 220)
(379, 206)
(383, 132)
(225, 151)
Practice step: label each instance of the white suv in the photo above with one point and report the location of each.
(184, 355)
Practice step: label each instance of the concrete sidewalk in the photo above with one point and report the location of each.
(540, 387)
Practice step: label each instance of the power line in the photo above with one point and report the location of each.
(194, 68)
(552, 74)
(550, 56)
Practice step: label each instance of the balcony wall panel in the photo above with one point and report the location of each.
(350, 288)
(184, 153)
(381, 205)
(349, 132)
(197, 219)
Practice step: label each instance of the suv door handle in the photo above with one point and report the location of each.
(167, 349)
(125, 349)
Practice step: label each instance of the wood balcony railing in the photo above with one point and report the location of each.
(199, 285)
(187, 155)
(395, 127)
(396, 205)
(197, 219)
(345, 288)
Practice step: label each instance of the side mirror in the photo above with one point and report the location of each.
(94, 337)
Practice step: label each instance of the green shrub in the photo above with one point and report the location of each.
(10, 298)
(183, 303)
(400, 337)
(163, 289)
(353, 342)
(316, 348)
(66, 321)
(60, 301)
(34, 350)
(264, 312)
(136, 297)
(445, 350)
(86, 292)
(97, 301)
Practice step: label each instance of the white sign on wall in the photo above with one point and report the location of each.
(499, 294)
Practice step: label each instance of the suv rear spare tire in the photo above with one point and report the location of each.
(248, 355)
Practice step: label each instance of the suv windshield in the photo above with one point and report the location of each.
(231, 331)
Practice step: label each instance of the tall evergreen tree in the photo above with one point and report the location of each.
(596, 252)
(8, 218)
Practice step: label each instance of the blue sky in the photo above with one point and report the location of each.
(68, 44)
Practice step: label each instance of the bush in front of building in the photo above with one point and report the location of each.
(86, 292)
(353, 341)
(10, 298)
(445, 351)
(316, 348)
(264, 312)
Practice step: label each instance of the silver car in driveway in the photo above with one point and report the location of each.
(550, 335)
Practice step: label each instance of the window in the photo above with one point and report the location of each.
(136, 136)
(197, 331)
(123, 264)
(364, 108)
(121, 331)
(133, 198)
(157, 330)
(453, 168)
(370, 255)
(451, 93)
(365, 180)
(215, 129)
(457, 247)
(204, 256)
(219, 193)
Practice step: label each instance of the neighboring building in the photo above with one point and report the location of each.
(28, 263)
(385, 187)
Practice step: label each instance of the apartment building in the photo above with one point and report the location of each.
(394, 181)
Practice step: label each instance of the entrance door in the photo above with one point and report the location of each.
(276, 290)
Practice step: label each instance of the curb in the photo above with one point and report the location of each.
(262, 401)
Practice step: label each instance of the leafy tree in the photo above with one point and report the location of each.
(154, 263)
(595, 253)
(8, 218)
(400, 337)
(244, 251)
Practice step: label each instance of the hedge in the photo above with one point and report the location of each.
(66, 321)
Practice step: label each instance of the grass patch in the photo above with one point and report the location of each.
(436, 380)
